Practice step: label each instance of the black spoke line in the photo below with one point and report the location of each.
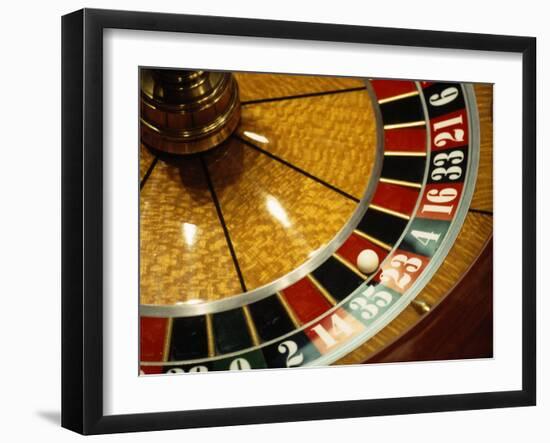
(297, 169)
(222, 222)
(311, 94)
(481, 211)
(149, 172)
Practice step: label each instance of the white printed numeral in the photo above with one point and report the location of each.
(338, 328)
(437, 197)
(399, 276)
(369, 302)
(294, 358)
(425, 237)
(191, 370)
(452, 172)
(446, 96)
(457, 134)
(239, 364)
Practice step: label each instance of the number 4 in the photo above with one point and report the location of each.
(425, 237)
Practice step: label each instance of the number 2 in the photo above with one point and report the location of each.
(294, 358)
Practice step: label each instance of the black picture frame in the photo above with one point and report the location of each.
(82, 218)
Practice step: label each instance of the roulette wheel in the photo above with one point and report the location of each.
(290, 221)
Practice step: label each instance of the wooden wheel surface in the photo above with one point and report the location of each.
(248, 252)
